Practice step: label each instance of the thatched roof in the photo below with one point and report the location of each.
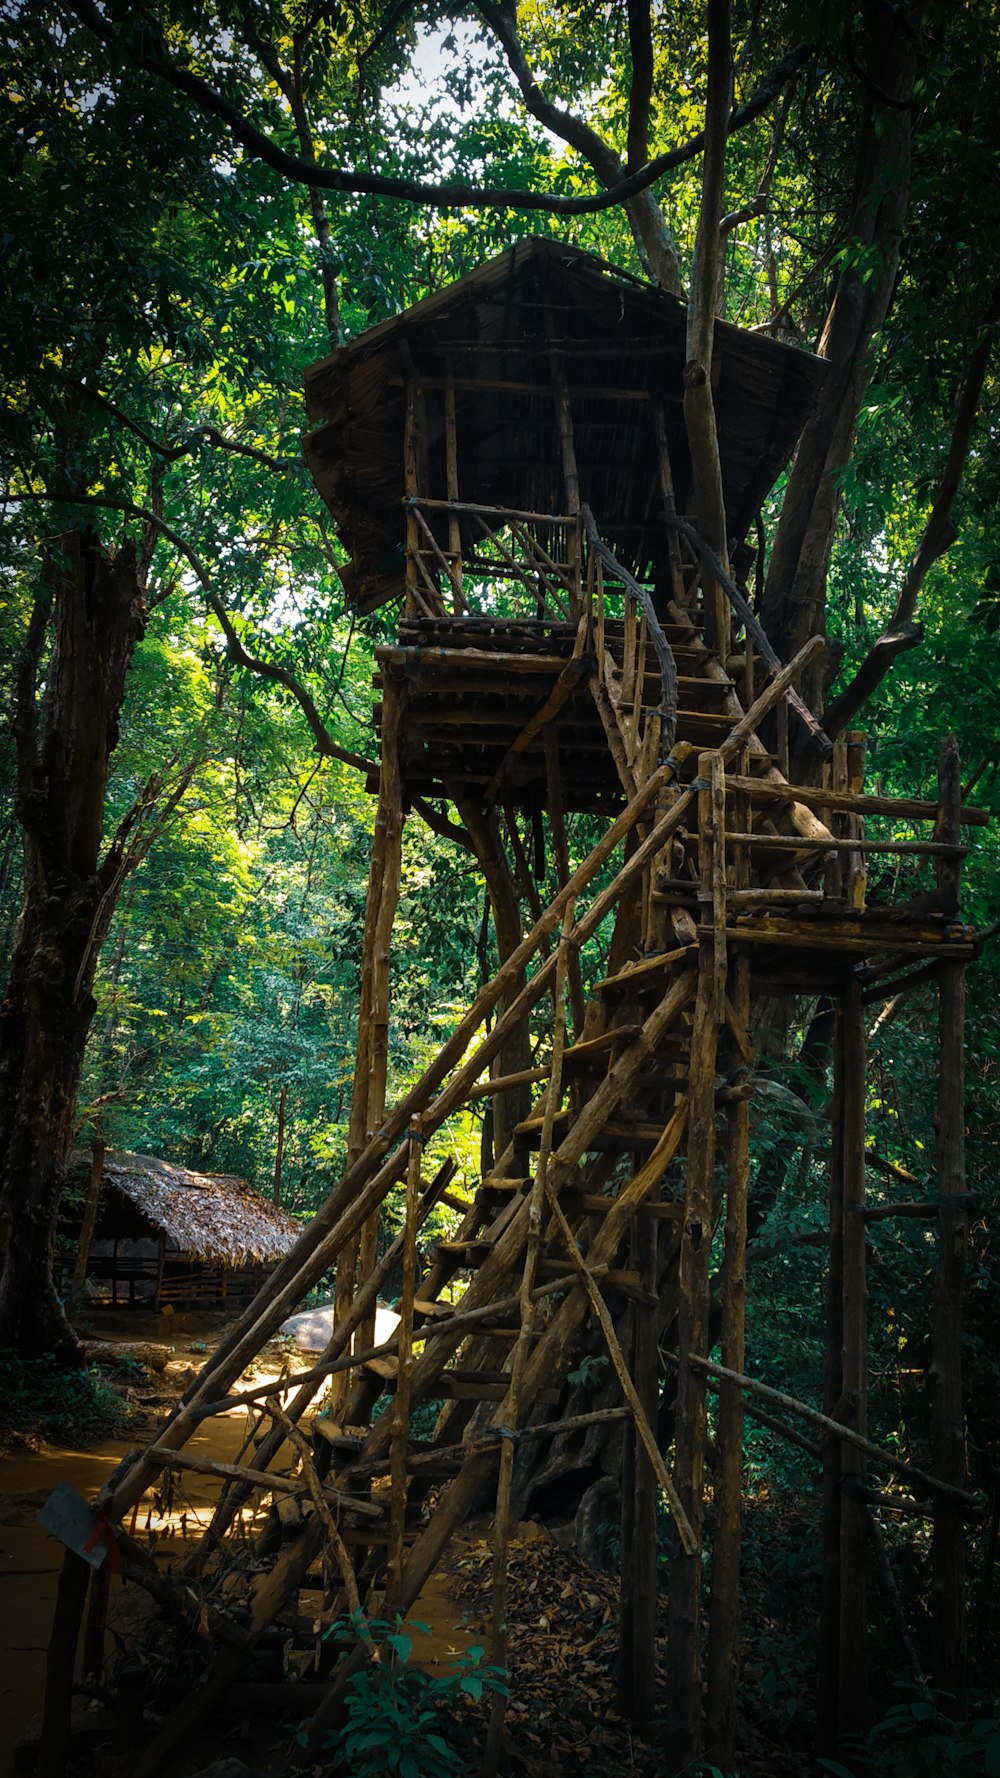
(214, 1216)
(621, 346)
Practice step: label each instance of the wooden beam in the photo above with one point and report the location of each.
(684, 1623)
(947, 1410)
(853, 1664)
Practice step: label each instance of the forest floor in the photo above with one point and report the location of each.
(562, 1720)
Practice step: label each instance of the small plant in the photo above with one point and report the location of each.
(402, 1720)
(588, 1370)
(41, 1400)
(916, 1739)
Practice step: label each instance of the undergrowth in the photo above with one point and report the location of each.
(401, 1720)
(39, 1400)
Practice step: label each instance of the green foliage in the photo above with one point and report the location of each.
(916, 1739)
(589, 1369)
(400, 1719)
(42, 1400)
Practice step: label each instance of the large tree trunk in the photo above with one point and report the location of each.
(794, 602)
(86, 622)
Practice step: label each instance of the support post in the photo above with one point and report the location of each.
(684, 1726)
(854, 1546)
(399, 1449)
(71, 1596)
(371, 1063)
(76, 1289)
(637, 1669)
(724, 1611)
(828, 1693)
(947, 1415)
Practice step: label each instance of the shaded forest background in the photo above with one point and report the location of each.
(164, 290)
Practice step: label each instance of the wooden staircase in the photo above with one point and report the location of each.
(596, 1218)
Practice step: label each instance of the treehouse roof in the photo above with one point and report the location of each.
(215, 1217)
(621, 346)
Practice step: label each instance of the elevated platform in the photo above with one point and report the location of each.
(482, 692)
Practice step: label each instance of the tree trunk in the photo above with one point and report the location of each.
(793, 606)
(71, 679)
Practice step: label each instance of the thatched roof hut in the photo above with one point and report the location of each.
(171, 1234)
(487, 342)
(213, 1216)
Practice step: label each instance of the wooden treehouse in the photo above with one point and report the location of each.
(579, 692)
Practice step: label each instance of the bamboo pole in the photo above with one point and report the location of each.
(560, 849)
(390, 817)
(571, 474)
(838, 1431)
(828, 1677)
(305, 1383)
(60, 1664)
(502, 1515)
(636, 1685)
(854, 1544)
(684, 1724)
(321, 1506)
(451, 475)
(947, 1413)
(645, 1431)
(404, 1369)
(724, 1610)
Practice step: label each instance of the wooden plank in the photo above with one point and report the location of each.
(907, 808)
(639, 976)
(783, 842)
(430, 657)
(862, 944)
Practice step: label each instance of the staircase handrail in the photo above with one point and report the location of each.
(752, 624)
(669, 690)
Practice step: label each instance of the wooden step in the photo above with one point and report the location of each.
(639, 977)
(595, 1204)
(467, 1253)
(616, 1136)
(580, 1055)
(480, 1386)
(629, 1283)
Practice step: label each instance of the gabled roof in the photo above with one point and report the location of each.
(621, 345)
(214, 1216)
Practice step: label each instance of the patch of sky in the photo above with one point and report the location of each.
(445, 77)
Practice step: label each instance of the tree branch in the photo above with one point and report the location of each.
(706, 282)
(290, 85)
(758, 203)
(902, 632)
(440, 824)
(605, 162)
(173, 453)
(325, 743)
(448, 196)
(640, 37)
